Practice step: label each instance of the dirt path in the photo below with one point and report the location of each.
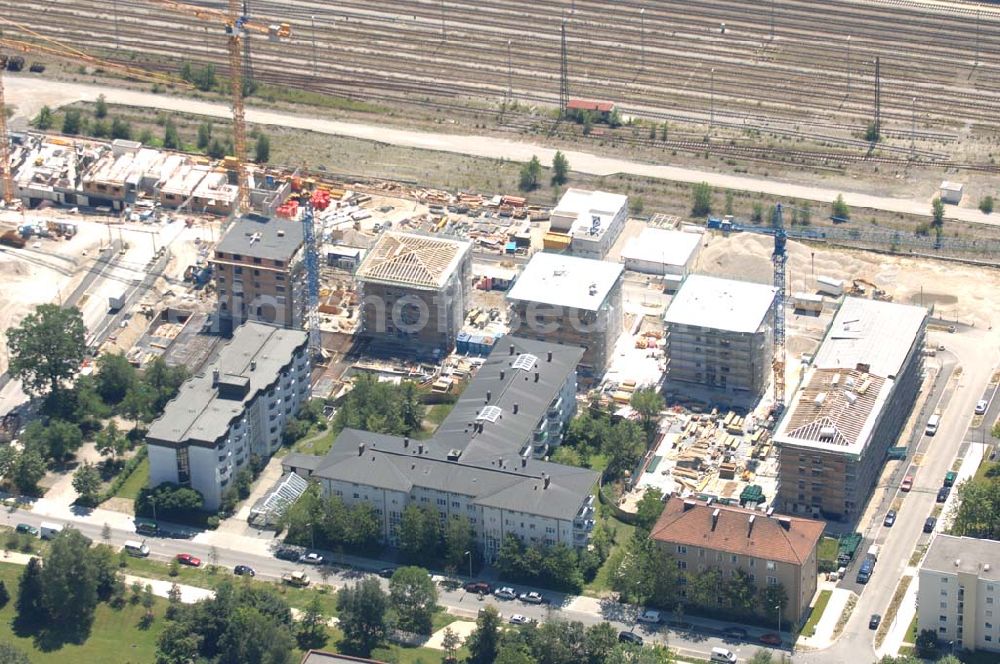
(30, 93)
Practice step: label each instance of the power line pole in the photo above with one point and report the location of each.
(563, 72)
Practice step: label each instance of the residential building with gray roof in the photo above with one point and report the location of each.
(486, 460)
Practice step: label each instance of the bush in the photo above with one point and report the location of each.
(986, 204)
(123, 476)
(926, 643)
(171, 500)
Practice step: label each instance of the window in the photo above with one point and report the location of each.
(989, 600)
(942, 629)
(256, 273)
(256, 261)
(682, 550)
(238, 270)
(989, 625)
(944, 593)
(682, 564)
(443, 502)
(944, 605)
(770, 565)
(455, 503)
(733, 559)
(987, 638)
(942, 618)
(753, 563)
(701, 553)
(279, 277)
(357, 495)
(772, 580)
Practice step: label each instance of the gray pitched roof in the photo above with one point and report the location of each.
(247, 365)
(261, 237)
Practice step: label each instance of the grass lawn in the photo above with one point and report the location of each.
(316, 442)
(828, 549)
(437, 413)
(981, 471)
(602, 580)
(817, 612)
(133, 485)
(911, 632)
(114, 637)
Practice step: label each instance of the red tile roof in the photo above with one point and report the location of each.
(590, 105)
(767, 539)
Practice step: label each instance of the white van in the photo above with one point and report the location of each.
(137, 549)
(650, 616)
(723, 655)
(49, 530)
(932, 425)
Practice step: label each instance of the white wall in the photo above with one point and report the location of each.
(162, 464)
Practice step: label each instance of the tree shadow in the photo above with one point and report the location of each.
(49, 637)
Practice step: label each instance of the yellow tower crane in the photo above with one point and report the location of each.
(237, 26)
(49, 46)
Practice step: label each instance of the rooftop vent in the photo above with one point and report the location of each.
(785, 522)
(420, 448)
(689, 504)
(750, 524)
(850, 396)
(515, 409)
(827, 433)
(819, 399)
(253, 365)
(281, 233)
(958, 561)
(454, 454)
(835, 381)
(715, 517)
(770, 512)
(361, 449)
(512, 349)
(548, 356)
(545, 480)
(592, 289)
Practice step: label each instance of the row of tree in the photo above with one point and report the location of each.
(702, 195)
(531, 172)
(595, 436)
(558, 567)
(381, 407)
(328, 523)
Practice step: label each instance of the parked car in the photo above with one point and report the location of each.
(188, 559)
(629, 637)
(532, 598)
(771, 639)
(311, 558)
(386, 572)
(907, 483)
(943, 494)
(650, 616)
(478, 587)
(981, 406)
(297, 579)
(505, 593)
(735, 632)
(244, 570)
(518, 619)
(890, 518)
(874, 621)
(929, 524)
(287, 554)
(27, 529)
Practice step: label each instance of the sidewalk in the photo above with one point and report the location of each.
(896, 635)
(824, 637)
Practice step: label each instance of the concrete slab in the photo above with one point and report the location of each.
(461, 627)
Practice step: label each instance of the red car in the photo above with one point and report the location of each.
(188, 559)
(771, 639)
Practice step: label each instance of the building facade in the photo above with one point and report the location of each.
(771, 548)
(415, 290)
(238, 408)
(719, 338)
(663, 253)
(959, 593)
(484, 462)
(849, 409)
(259, 273)
(591, 220)
(572, 301)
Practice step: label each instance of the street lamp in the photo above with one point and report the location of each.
(469, 554)
(777, 609)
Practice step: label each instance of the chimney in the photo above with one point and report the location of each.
(785, 522)
(420, 448)
(548, 356)
(489, 395)
(515, 409)
(512, 349)
(545, 480)
(715, 517)
(537, 375)
(500, 462)
(770, 512)
(502, 374)
(750, 524)
(406, 442)
(361, 449)
(689, 504)
(253, 365)
(524, 462)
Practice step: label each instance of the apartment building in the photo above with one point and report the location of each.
(483, 463)
(415, 290)
(849, 409)
(771, 548)
(258, 268)
(720, 335)
(959, 593)
(591, 221)
(236, 409)
(572, 301)
(664, 253)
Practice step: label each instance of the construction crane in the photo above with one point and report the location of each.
(57, 49)
(312, 280)
(779, 258)
(237, 26)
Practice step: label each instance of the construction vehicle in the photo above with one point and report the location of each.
(297, 579)
(237, 25)
(860, 288)
(60, 50)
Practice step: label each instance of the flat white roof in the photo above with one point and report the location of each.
(721, 304)
(656, 245)
(584, 206)
(567, 281)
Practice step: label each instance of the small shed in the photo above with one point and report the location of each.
(951, 192)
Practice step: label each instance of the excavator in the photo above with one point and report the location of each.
(860, 288)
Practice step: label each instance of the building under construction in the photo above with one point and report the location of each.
(414, 291)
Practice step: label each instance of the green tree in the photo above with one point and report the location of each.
(872, 134)
(28, 470)
(101, 107)
(513, 652)
(805, 214)
(568, 456)
(772, 597)
(171, 139)
(648, 509)
(729, 203)
(11, 655)
(840, 208)
(138, 403)
(204, 135)
(216, 149)
(986, 204)
(60, 439)
(263, 149)
(69, 584)
(978, 513)
(311, 632)
(414, 599)
(458, 538)
(760, 656)
(44, 120)
(165, 381)
(648, 402)
(450, 642)
(361, 609)
(381, 407)
(30, 607)
(204, 78)
(623, 446)
(121, 129)
(560, 168)
(170, 500)
(937, 216)
(111, 442)
(100, 129)
(927, 643)
(72, 122)
(104, 562)
(87, 483)
(115, 376)
(600, 640)
(701, 199)
(47, 348)
(531, 173)
(484, 642)
(419, 534)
